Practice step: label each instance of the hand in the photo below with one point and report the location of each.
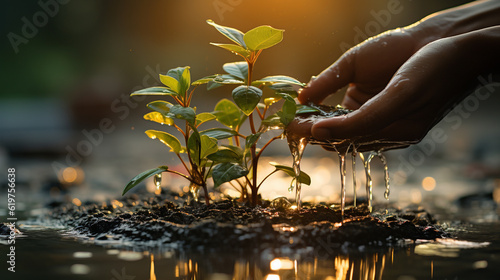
(399, 106)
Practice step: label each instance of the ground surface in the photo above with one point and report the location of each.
(228, 224)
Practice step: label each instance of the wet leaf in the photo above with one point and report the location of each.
(203, 80)
(204, 117)
(287, 113)
(184, 113)
(303, 177)
(238, 69)
(271, 100)
(159, 118)
(252, 139)
(273, 121)
(168, 139)
(262, 37)
(304, 109)
(269, 80)
(225, 155)
(247, 98)
(234, 48)
(155, 91)
(141, 177)
(159, 106)
(219, 133)
(226, 172)
(233, 34)
(228, 113)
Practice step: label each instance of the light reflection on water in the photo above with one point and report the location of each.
(43, 254)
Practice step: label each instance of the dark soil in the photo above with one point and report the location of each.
(228, 224)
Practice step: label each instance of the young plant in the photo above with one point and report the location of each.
(198, 144)
(250, 106)
(237, 160)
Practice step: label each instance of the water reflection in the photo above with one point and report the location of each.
(358, 266)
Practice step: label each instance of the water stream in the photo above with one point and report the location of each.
(297, 147)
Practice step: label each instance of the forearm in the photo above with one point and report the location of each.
(455, 21)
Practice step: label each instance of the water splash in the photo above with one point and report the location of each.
(297, 147)
(194, 189)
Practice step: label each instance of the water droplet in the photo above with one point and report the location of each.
(157, 181)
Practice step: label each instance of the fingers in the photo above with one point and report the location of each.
(329, 81)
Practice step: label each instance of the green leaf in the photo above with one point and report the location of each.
(200, 146)
(269, 80)
(247, 98)
(228, 113)
(271, 100)
(170, 82)
(225, 155)
(234, 48)
(219, 133)
(287, 113)
(252, 139)
(159, 118)
(262, 37)
(183, 77)
(168, 139)
(304, 109)
(238, 69)
(273, 121)
(204, 117)
(235, 149)
(155, 91)
(226, 172)
(184, 113)
(159, 106)
(233, 34)
(227, 79)
(141, 177)
(303, 177)
(204, 80)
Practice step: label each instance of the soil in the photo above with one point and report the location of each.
(165, 220)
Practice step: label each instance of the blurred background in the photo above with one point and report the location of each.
(71, 130)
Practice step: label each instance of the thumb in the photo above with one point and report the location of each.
(335, 77)
(364, 121)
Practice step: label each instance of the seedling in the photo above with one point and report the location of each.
(236, 160)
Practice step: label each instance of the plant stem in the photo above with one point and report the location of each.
(267, 144)
(184, 163)
(268, 175)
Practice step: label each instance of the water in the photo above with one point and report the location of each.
(342, 181)
(297, 147)
(45, 253)
(354, 184)
(157, 181)
(369, 182)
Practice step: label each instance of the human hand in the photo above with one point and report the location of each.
(417, 96)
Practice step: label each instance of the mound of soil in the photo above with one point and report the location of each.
(228, 224)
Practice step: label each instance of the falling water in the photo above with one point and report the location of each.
(342, 181)
(369, 183)
(353, 157)
(297, 147)
(386, 174)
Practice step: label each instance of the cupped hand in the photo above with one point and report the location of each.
(397, 104)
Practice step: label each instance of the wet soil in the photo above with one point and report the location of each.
(164, 220)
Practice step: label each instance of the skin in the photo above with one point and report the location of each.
(402, 82)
